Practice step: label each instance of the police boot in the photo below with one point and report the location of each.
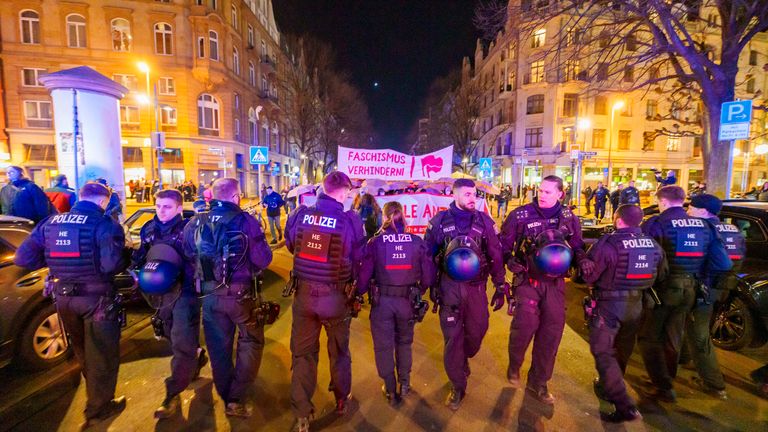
(237, 409)
(657, 394)
(597, 387)
(113, 407)
(708, 389)
(621, 416)
(542, 395)
(342, 405)
(455, 397)
(393, 397)
(513, 377)
(405, 388)
(202, 360)
(168, 408)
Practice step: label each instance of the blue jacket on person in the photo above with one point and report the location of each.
(273, 202)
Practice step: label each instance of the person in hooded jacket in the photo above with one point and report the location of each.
(21, 197)
(61, 195)
(396, 271)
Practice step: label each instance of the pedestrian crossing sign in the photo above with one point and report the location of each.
(486, 164)
(259, 155)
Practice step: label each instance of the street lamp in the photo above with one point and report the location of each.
(619, 104)
(582, 124)
(145, 99)
(305, 175)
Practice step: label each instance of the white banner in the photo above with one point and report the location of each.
(419, 208)
(392, 165)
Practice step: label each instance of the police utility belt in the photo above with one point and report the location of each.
(80, 289)
(600, 294)
(395, 290)
(232, 289)
(319, 289)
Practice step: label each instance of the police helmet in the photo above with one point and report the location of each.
(161, 272)
(462, 260)
(553, 254)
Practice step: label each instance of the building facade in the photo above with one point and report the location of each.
(204, 72)
(539, 107)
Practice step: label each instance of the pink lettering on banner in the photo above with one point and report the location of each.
(390, 165)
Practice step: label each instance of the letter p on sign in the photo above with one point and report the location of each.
(735, 120)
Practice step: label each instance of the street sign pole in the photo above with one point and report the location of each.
(735, 121)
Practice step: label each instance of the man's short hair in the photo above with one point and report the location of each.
(92, 190)
(554, 179)
(463, 182)
(336, 180)
(170, 194)
(632, 215)
(673, 194)
(225, 188)
(16, 168)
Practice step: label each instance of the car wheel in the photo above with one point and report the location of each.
(732, 325)
(43, 343)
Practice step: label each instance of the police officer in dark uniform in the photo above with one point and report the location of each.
(540, 241)
(466, 245)
(398, 270)
(710, 378)
(229, 250)
(326, 243)
(627, 263)
(601, 195)
(178, 318)
(693, 248)
(630, 194)
(83, 250)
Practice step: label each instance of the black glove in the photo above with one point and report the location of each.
(515, 266)
(434, 296)
(586, 266)
(497, 301)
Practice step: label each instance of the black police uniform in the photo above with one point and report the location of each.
(697, 333)
(601, 197)
(540, 297)
(627, 263)
(181, 319)
(326, 243)
(464, 305)
(629, 195)
(692, 247)
(397, 267)
(227, 287)
(83, 250)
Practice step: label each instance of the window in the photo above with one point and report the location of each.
(624, 137)
(651, 108)
(626, 110)
(236, 61)
(237, 102)
(252, 126)
(537, 71)
(37, 153)
(675, 110)
(673, 143)
(631, 42)
(213, 45)
(263, 48)
(201, 47)
(603, 39)
(535, 104)
(30, 76)
(602, 72)
(750, 228)
(696, 146)
(163, 39)
(30, 27)
(598, 138)
(629, 74)
(752, 58)
(214, 4)
(133, 155)
(567, 134)
(538, 39)
(534, 137)
(251, 43)
(237, 129)
(751, 85)
(38, 114)
(572, 36)
(233, 16)
(601, 105)
(251, 74)
(207, 115)
(127, 81)
(129, 114)
(649, 141)
(264, 84)
(168, 116)
(571, 70)
(121, 34)
(655, 72)
(76, 31)
(570, 104)
(166, 86)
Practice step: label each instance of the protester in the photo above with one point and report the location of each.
(61, 195)
(23, 198)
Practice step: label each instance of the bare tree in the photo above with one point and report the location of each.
(490, 18)
(627, 45)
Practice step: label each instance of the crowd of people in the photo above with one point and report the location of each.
(645, 283)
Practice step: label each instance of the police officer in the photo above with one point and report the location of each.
(627, 263)
(692, 247)
(401, 270)
(710, 378)
(540, 240)
(326, 243)
(466, 246)
(615, 197)
(630, 194)
(83, 250)
(178, 319)
(229, 251)
(601, 194)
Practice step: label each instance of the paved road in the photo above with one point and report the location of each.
(490, 405)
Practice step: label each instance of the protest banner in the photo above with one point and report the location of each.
(391, 165)
(419, 208)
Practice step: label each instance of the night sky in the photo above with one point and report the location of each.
(400, 44)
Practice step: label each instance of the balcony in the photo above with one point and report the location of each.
(268, 64)
(506, 91)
